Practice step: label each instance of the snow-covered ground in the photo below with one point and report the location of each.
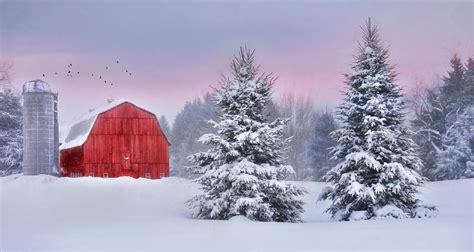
(93, 214)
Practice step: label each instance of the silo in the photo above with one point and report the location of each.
(40, 129)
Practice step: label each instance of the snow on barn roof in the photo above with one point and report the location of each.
(80, 130)
(36, 86)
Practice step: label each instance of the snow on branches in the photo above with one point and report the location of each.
(241, 172)
(376, 175)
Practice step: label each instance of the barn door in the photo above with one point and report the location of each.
(126, 161)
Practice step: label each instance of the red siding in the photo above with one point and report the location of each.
(124, 141)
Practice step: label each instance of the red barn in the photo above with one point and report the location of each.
(118, 140)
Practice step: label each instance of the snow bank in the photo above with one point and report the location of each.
(93, 214)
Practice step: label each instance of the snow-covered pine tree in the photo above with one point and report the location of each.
(455, 156)
(241, 173)
(321, 144)
(437, 113)
(455, 152)
(11, 134)
(376, 176)
(453, 88)
(469, 82)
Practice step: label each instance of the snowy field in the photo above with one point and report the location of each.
(45, 213)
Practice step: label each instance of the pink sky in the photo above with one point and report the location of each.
(177, 50)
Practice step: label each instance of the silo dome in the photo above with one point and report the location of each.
(36, 86)
(40, 129)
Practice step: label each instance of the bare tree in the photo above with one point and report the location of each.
(6, 68)
(11, 137)
(300, 110)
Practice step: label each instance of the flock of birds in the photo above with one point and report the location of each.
(70, 73)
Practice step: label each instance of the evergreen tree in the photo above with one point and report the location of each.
(272, 111)
(240, 174)
(469, 82)
(438, 127)
(376, 176)
(11, 134)
(453, 88)
(322, 143)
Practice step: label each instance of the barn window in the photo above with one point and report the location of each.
(162, 174)
(91, 174)
(105, 175)
(148, 175)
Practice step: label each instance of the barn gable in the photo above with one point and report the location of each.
(80, 131)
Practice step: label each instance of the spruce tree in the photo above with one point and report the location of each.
(469, 82)
(322, 143)
(376, 175)
(437, 121)
(241, 172)
(453, 88)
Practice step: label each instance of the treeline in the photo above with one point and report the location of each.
(308, 133)
(443, 127)
(442, 124)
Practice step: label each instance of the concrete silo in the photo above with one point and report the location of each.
(40, 129)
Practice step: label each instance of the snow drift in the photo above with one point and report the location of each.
(93, 214)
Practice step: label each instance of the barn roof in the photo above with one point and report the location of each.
(80, 130)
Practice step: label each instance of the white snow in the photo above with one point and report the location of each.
(81, 128)
(36, 86)
(93, 214)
